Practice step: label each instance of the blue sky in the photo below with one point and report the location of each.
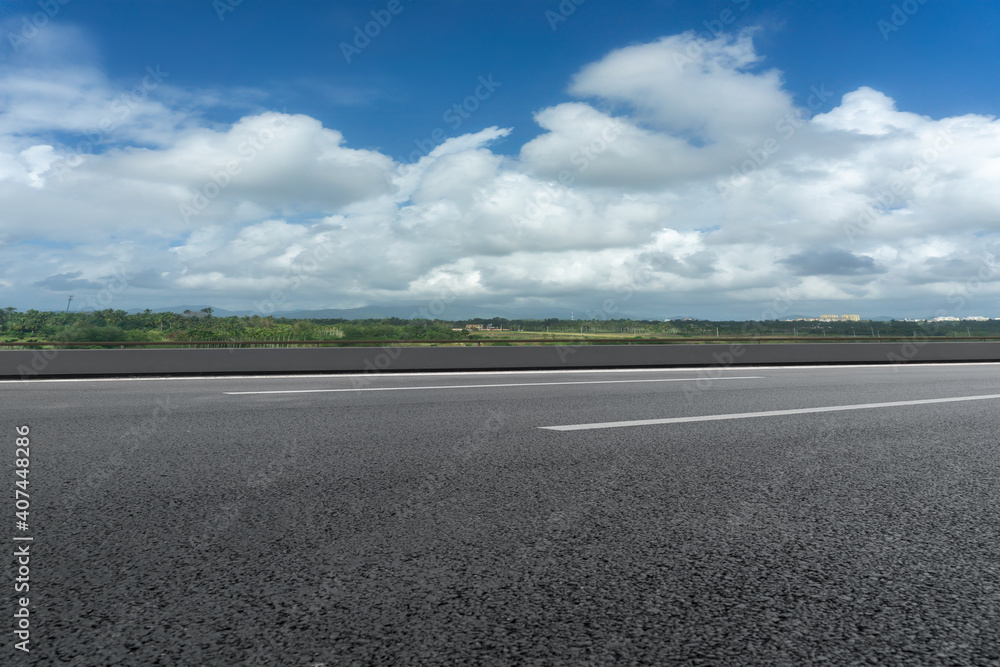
(336, 199)
(398, 88)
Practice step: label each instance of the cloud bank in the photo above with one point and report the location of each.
(678, 176)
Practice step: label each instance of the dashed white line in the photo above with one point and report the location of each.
(471, 386)
(770, 413)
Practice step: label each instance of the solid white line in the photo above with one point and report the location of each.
(471, 386)
(771, 413)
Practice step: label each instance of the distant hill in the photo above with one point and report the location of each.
(453, 313)
(217, 312)
(362, 313)
(450, 312)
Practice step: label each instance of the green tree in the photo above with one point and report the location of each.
(85, 332)
(304, 330)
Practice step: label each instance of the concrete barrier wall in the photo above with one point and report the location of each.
(85, 363)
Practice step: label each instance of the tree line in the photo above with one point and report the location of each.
(120, 325)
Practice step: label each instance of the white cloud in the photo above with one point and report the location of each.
(867, 111)
(681, 178)
(687, 86)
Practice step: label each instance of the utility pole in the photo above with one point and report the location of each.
(69, 302)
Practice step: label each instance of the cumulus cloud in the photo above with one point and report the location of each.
(677, 176)
(707, 91)
(868, 112)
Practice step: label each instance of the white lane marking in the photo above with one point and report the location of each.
(470, 386)
(770, 413)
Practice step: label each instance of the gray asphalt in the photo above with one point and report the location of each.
(176, 524)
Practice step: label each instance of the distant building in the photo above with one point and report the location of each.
(849, 317)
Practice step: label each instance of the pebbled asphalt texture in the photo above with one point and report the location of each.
(176, 524)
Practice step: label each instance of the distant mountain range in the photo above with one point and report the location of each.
(451, 312)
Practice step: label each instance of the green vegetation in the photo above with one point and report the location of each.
(120, 326)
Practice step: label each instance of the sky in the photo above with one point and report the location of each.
(719, 159)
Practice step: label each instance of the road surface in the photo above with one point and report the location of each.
(442, 519)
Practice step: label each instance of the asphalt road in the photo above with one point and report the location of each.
(437, 520)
